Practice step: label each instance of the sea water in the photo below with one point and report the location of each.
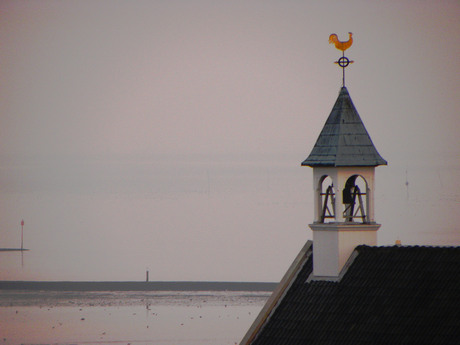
(163, 318)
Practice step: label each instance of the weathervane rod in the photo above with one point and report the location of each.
(342, 45)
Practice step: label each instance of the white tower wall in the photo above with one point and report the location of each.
(333, 244)
(335, 239)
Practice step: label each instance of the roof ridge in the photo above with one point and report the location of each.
(416, 246)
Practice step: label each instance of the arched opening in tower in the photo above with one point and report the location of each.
(327, 198)
(354, 198)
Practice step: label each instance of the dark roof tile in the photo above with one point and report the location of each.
(389, 295)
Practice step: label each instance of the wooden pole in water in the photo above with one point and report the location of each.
(22, 234)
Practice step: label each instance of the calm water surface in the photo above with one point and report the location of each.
(164, 318)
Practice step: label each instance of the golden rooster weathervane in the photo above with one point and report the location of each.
(342, 45)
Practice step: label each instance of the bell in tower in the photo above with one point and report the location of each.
(355, 201)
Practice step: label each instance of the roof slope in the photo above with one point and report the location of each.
(344, 140)
(389, 295)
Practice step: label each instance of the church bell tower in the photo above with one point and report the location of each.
(343, 161)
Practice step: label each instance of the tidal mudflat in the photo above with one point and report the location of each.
(163, 318)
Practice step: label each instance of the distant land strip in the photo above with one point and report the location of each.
(13, 250)
(136, 286)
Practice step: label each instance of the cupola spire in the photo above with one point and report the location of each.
(343, 161)
(344, 141)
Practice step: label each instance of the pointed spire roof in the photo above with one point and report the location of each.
(344, 140)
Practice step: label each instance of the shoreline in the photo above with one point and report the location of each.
(136, 286)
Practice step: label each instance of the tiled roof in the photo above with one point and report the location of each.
(389, 295)
(344, 140)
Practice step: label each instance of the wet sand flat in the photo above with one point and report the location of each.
(164, 318)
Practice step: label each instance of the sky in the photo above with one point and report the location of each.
(168, 135)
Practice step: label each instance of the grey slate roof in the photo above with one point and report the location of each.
(389, 295)
(344, 140)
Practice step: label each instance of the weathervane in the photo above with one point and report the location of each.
(343, 61)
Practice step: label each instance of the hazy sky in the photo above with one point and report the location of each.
(168, 135)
